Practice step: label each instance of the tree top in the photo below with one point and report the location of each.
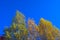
(19, 14)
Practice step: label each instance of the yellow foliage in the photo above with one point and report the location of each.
(45, 27)
(8, 35)
(19, 31)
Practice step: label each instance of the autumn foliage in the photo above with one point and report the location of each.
(20, 30)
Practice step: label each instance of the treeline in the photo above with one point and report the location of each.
(20, 30)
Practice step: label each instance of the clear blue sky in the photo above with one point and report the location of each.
(48, 9)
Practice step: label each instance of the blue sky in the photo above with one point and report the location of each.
(48, 9)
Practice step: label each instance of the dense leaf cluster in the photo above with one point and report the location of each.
(19, 30)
